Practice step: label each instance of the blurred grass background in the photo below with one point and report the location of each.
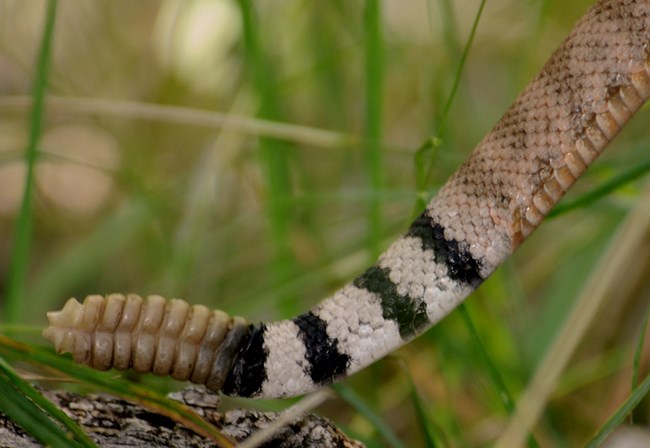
(255, 156)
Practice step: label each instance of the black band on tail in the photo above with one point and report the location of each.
(409, 314)
(322, 352)
(461, 265)
(248, 372)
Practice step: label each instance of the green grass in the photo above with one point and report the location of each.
(274, 155)
(638, 394)
(146, 396)
(32, 411)
(264, 173)
(374, 70)
(19, 259)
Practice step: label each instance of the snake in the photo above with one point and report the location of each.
(586, 92)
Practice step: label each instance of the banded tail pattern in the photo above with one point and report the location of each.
(586, 92)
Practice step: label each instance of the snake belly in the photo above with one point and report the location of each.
(589, 88)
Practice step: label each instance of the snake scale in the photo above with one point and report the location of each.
(590, 87)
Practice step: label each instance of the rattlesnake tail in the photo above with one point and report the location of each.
(166, 337)
(590, 87)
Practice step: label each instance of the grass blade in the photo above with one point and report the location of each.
(36, 411)
(273, 154)
(424, 420)
(495, 377)
(461, 65)
(636, 365)
(614, 268)
(23, 227)
(142, 395)
(27, 415)
(621, 413)
(353, 399)
(442, 124)
(374, 100)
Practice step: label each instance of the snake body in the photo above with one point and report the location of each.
(590, 87)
